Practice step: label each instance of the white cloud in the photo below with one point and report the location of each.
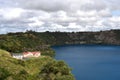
(114, 19)
(58, 15)
(11, 13)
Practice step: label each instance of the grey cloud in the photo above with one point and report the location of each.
(95, 5)
(56, 5)
(45, 5)
(67, 5)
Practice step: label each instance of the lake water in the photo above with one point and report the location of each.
(91, 62)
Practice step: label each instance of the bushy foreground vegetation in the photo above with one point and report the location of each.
(42, 68)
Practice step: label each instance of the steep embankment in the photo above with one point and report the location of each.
(42, 68)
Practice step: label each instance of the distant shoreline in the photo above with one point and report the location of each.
(85, 45)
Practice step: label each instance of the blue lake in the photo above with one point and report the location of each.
(91, 62)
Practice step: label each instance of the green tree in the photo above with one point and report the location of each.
(4, 74)
(56, 70)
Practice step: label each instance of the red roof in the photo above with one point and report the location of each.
(34, 53)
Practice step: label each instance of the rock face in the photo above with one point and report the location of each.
(108, 37)
(102, 37)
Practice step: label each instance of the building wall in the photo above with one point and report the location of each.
(17, 56)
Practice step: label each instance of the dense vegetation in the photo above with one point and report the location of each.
(21, 42)
(42, 68)
(31, 41)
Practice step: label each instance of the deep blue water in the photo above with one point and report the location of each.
(91, 62)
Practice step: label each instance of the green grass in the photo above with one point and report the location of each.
(4, 53)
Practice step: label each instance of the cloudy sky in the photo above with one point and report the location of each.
(59, 15)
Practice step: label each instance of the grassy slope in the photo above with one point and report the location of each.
(13, 69)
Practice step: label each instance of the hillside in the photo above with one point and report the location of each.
(43, 68)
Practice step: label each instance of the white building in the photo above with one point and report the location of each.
(25, 55)
(17, 56)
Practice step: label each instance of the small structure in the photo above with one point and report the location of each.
(25, 55)
(17, 56)
(31, 54)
